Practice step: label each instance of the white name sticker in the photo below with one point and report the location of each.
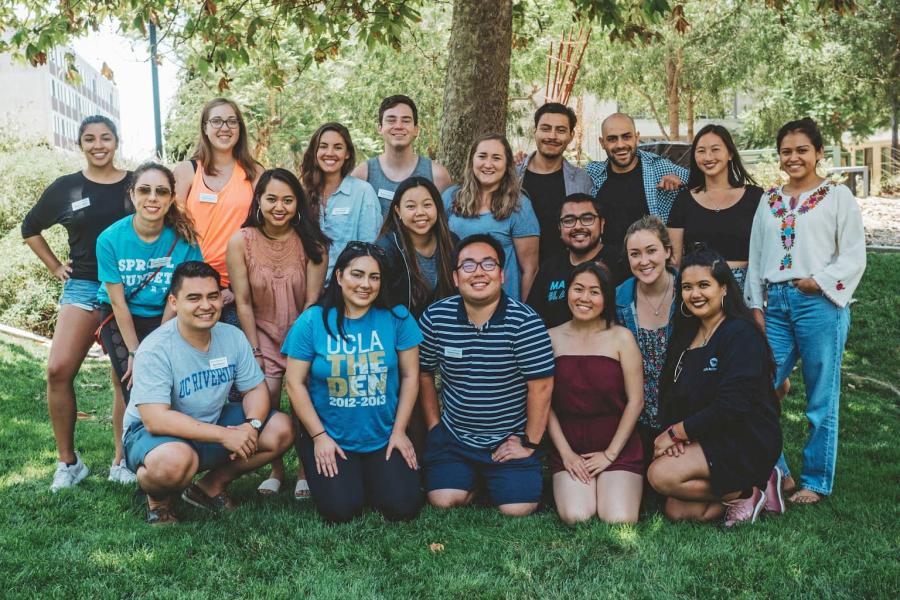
(341, 210)
(156, 263)
(386, 194)
(453, 352)
(79, 204)
(211, 198)
(218, 363)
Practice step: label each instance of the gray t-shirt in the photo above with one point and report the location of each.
(168, 370)
(428, 267)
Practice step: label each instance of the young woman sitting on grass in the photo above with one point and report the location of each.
(597, 459)
(85, 203)
(722, 436)
(352, 376)
(277, 264)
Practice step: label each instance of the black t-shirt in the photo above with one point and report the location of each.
(85, 208)
(624, 202)
(726, 231)
(547, 192)
(548, 293)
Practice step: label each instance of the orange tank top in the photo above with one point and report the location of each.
(218, 215)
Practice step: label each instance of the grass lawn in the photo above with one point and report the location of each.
(91, 542)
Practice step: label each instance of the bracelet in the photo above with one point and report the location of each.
(256, 351)
(608, 458)
(131, 354)
(317, 435)
(674, 436)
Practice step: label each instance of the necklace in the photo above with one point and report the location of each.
(711, 332)
(662, 300)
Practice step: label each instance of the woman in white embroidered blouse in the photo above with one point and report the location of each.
(807, 255)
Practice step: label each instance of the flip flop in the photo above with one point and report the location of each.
(269, 487)
(805, 496)
(301, 490)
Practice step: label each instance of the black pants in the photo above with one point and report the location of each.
(648, 435)
(115, 345)
(365, 478)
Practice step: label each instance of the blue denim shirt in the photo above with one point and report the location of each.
(626, 310)
(653, 168)
(352, 213)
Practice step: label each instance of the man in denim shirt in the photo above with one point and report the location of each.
(631, 183)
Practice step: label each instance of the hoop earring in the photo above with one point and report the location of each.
(723, 302)
(259, 218)
(296, 219)
(682, 308)
(734, 172)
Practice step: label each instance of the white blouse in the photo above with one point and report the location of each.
(823, 238)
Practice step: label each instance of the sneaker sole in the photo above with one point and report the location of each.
(780, 495)
(187, 498)
(758, 509)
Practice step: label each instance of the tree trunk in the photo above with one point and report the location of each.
(673, 75)
(477, 80)
(895, 146)
(689, 113)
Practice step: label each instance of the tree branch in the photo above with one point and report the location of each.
(654, 111)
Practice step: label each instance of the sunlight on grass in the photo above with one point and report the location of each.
(31, 472)
(119, 561)
(626, 535)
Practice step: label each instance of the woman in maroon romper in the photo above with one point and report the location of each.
(597, 459)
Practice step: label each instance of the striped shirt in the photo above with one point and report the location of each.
(484, 371)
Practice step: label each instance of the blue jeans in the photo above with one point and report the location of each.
(811, 328)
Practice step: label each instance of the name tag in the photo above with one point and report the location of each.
(211, 198)
(79, 204)
(386, 194)
(341, 210)
(156, 263)
(218, 363)
(453, 352)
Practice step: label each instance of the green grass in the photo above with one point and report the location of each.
(90, 542)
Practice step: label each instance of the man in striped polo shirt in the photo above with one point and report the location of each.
(496, 366)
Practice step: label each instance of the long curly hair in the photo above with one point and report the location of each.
(176, 218)
(311, 174)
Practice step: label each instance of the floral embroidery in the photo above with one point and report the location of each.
(781, 210)
(840, 285)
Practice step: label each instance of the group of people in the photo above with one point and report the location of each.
(635, 320)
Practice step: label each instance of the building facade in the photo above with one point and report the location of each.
(38, 103)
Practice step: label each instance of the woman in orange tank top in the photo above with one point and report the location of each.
(215, 186)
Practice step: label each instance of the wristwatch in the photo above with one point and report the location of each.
(526, 443)
(255, 424)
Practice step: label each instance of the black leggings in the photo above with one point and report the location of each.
(115, 345)
(365, 478)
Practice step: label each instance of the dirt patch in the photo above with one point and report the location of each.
(881, 217)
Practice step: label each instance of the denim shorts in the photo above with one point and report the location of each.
(450, 464)
(138, 442)
(82, 293)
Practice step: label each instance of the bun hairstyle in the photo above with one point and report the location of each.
(806, 126)
(95, 119)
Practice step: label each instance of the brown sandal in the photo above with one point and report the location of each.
(161, 513)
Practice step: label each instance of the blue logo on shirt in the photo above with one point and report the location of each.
(204, 379)
(557, 290)
(713, 365)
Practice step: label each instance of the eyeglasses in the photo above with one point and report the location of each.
(678, 367)
(470, 266)
(587, 219)
(146, 190)
(367, 247)
(218, 122)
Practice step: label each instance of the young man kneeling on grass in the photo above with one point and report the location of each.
(179, 421)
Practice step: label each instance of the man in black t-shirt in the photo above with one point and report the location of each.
(580, 225)
(631, 183)
(547, 177)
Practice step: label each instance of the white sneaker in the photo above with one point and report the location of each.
(119, 473)
(68, 476)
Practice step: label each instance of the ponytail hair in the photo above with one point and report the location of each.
(176, 218)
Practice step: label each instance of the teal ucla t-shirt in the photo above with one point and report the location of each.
(123, 257)
(354, 381)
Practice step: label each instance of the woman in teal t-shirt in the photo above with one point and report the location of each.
(136, 257)
(362, 362)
